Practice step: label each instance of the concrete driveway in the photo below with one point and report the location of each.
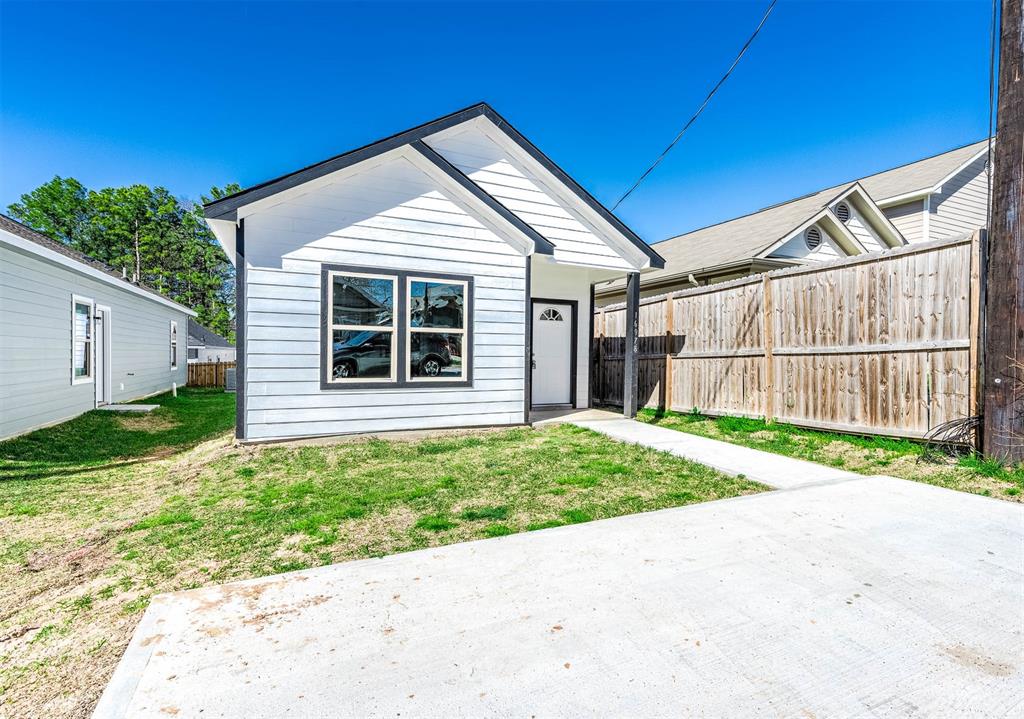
(869, 596)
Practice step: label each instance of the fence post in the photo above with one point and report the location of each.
(669, 349)
(768, 339)
(599, 390)
(974, 355)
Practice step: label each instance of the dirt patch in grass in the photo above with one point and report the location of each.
(86, 542)
(865, 455)
(152, 422)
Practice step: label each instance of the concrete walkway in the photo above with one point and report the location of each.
(765, 467)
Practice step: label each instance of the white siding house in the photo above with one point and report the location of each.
(74, 335)
(439, 278)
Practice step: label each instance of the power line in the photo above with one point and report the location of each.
(700, 109)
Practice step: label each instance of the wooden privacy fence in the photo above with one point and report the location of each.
(878, 344)
(208, 374)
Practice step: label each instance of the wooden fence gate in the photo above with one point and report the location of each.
(208, 374)
(878, 344)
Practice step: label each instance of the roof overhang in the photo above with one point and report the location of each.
(924, 192)
(69, 263)
(224, 214)
(753, 265)
(869, 209)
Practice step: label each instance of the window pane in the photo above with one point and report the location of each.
(83, 329)
(83, 359)
(361, 354)
(432, 354)
(436, 304)
(362, 301)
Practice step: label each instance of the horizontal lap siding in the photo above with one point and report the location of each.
(390, 217)
(485, 163)
(35, 343)
(963, 203)
(908, 218)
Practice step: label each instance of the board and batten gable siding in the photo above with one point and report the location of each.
(962, 204)
(908, 218)
(861, 229)
(523, 193)
(796, 248)
(390, 216)
(36, 343)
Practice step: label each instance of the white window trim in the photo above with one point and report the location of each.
(91, 341)
(172, 344)
(464, 331)
(331, 326)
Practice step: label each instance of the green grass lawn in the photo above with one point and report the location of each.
(866, 455)
(103, 512)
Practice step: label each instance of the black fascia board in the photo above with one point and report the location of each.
(541, 244)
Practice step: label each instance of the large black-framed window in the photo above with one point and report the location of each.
(383, 328)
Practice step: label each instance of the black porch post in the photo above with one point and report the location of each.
(631, 379)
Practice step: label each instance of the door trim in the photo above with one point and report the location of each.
(108, 350)
(574, 305)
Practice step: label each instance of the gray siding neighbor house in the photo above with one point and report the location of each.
(75, 335)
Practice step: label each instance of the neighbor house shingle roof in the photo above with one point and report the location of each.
(746, 237)
(204, 337)
(27, 233)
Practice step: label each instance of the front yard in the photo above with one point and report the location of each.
(865, 455)
(101, 513)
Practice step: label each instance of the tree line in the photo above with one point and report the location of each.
(147, 232)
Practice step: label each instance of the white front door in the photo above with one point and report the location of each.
(552, 353)
(100, 334)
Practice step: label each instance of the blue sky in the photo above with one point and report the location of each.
(187, 95)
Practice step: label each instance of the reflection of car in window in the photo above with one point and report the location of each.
(364, 354)
(429, 354)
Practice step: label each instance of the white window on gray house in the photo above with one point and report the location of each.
(193, 353)
(362, 327)
(436, 328)
(174, 345)
(81, 340)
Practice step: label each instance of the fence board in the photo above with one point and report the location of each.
(876, 344)
(208, 374)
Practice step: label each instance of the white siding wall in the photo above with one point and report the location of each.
(516, 188)
(861, 229)
(961, 206)
(35, 343)
(796, 248)
(391, 216)
(908, 219)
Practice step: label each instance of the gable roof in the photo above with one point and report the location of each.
(226, 208)
(920, 175)
(745, 237)
(98, 269)
(204, 336)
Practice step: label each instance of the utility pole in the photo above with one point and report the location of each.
(1003, 386)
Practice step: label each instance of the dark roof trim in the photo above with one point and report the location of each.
(226, 207)
(541, 245)
(656, 260)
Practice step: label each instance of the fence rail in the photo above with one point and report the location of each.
(876, 344)
(208, 374)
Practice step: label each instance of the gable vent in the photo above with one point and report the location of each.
(812, 237)
(843, 212)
